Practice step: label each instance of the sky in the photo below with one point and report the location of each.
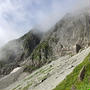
(19, 16)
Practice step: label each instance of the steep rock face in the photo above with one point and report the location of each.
(62, 39)
(71, 30)
(16, 51)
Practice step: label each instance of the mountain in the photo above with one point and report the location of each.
(66, 44)
(70, 35)
(16, 51)
(67, 37)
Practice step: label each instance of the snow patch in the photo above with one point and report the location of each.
(16, 69)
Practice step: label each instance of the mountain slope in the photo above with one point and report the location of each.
(16, 51)
(72, 81)
(48, 76)
(67, 37)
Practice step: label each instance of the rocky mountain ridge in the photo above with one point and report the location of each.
(67, 37)
(15, 51)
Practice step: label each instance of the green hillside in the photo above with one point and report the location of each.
(72, 81)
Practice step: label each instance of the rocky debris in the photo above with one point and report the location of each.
(44, 79)
(71, 66)
(11, 78)
(82, 73)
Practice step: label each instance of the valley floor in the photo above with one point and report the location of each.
(50, 75)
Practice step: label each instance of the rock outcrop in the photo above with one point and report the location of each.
(16, 51)
(67, 37)
(82, 73)
(62, 39)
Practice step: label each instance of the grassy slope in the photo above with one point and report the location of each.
(72, 79)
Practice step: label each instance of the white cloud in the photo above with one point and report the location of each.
(18, 16)
(6, 35)
(58, 9)
(12, 18)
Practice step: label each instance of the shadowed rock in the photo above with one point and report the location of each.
(78, 47)
(82, 73)
(89, 44)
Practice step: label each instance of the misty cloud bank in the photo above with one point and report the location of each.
(18, 16)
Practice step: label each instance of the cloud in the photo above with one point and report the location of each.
(13, 20)
(6, 35)
(19, 16)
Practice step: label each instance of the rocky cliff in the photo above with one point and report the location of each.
(16, 51)
(67, 37)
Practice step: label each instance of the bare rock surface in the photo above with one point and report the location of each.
(12, 77)
(50, 75)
